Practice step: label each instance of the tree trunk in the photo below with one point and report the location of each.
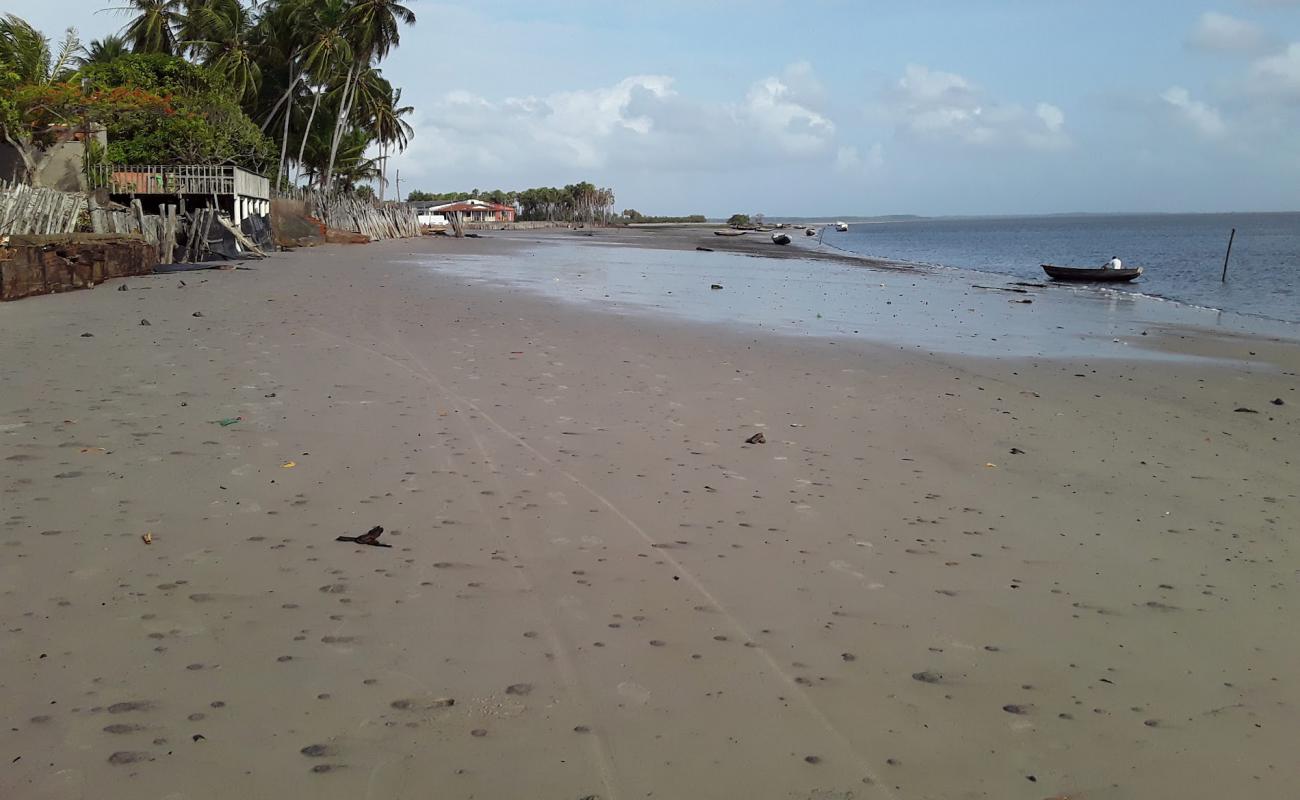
(280, 171)
(383, 178)
(27, 152)
(302, 145)
(340, 123)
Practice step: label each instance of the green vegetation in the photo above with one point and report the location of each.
(739, 221)
(633, 217)
(204, 123)
(578, 202)
(288, 87)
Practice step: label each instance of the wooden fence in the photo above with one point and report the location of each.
(192, 236)
(348, 213)
(26, 210)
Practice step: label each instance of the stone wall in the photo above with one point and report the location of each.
(32, 265)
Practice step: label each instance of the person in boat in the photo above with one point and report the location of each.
(1114, 263)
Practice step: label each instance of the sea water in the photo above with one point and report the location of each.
(1182, 253)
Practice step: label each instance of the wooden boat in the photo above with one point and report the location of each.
(1091, 274)
(810, 232)
(780, 238)
(732, 232)
(841, 226)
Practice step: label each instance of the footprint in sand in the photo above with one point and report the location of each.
(634, 692)
(847, 568)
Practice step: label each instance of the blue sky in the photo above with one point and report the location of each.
(839, 108)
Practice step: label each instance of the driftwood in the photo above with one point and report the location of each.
(244, 241)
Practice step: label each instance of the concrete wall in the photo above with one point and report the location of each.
(59, 167)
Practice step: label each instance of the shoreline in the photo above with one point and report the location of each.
(1079, 564)
(930, 307)
(680, 238)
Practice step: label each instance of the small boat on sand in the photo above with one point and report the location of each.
(1091, 274)
(841, 226)
(810, 232)
(731, 232)
(780, 238)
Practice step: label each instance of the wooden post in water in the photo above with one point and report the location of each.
(1228, 255)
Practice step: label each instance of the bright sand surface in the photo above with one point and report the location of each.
(944, 575)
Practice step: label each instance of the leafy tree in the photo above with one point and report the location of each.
(206, 125)
(739, 221)
(293, 66)
(28, 69)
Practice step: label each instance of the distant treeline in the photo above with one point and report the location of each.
(634, 217)
(577, 202)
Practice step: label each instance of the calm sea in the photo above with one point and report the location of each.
(1182, 253)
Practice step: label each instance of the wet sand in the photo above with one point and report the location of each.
(942, 576)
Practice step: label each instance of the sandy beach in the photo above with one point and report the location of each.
(943, 575)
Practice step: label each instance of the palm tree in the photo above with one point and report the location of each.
(380, 106)
(25, 53)
(352, 166)
(377, 24)
(102, 51)
(220, 33)
(153, 26)
(374, 28)
(325, 48)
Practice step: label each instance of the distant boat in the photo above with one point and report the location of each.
(732, 232)
(841, 226)
(1101, 275)
(780, 238)
(810, 232)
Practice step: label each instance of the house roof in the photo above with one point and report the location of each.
(469, 205)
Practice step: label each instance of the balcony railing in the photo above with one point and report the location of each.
(199, 179)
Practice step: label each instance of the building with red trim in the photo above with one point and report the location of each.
(469, 211)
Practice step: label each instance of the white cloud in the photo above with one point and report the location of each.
(1222, 33)
(804, 86)
(943, 106)
(641, 122)
(848, 159)
(1204, 118)
(1278, 75)
(794, 128)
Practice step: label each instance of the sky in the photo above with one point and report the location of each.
(838, 108)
